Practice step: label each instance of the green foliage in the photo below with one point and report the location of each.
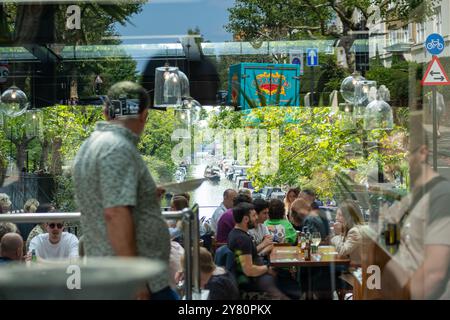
(331, 75)
(271, 19)
(226, 119)
(156, 139)
(397, 79)
(316, 148)
(64, 194)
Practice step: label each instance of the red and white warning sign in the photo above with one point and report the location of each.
(435, 74)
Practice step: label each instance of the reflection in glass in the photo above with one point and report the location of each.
(348, 87)
(378, 115)
(13, 102)
(167, 87)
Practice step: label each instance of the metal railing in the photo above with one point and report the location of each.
(191, 241)
(39, 217)
(190, 218)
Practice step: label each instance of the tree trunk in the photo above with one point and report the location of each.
(3, 167)
(44, 154)
(21, 154)
(346, 43)
(56, 164)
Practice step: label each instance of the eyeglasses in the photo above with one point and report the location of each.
(58, 225)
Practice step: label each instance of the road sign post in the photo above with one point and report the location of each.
(435, 134)
(435, 75)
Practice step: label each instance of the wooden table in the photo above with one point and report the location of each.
(285, 257)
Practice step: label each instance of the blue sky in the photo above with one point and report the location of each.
(175, 17)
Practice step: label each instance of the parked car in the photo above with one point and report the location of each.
(266, 193)
(239, 179)
(244, 183)
(277, 195)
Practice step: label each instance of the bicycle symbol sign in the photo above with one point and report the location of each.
(435, 44)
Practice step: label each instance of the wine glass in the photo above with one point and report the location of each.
(316, 238)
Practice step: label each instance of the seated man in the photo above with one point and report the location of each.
(310, 220)
(11, 248)
(251, 273)
(260, 234)
(226, 222)
(280, 227)
(55, 244)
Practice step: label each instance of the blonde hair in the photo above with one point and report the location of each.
(31, 205)
(4, 200)
(206, 263)
(352, 214)
(287, 204)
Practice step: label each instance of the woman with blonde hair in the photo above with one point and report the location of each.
(290, 197)
(351, 231)
(31, 206)
(5, 203)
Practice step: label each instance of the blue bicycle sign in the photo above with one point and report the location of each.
(435, 44)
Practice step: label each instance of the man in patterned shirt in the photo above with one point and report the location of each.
(117, 196)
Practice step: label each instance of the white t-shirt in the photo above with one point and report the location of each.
(67, 247)
(259, 232)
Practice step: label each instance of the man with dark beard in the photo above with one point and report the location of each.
(251, 273)
(420, 268)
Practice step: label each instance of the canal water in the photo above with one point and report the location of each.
(210, 194)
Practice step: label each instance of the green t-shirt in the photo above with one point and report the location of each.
(282, 231)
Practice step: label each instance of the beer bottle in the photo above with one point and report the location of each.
(302, 242)
(33, 256)
(307, 252)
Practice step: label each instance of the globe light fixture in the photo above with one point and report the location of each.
(13, 102)
(364, 93)
(348, 87)
(33, 123)
(378, 116)
(167, 87)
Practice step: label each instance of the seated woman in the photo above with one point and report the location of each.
(281, 229)
(291, 195)
(350, 230)
(178, 203)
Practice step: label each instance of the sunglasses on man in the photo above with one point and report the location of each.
(53, 225)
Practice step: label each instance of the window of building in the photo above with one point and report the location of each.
(405, 34)
(438, 21)
(420, 32)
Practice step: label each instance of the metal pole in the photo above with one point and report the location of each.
(312, 87)
(380, 164)
(435, 121)
(39, 217)
(187, 221)
(195, 249)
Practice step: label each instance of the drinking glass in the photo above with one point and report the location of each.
(316, 238)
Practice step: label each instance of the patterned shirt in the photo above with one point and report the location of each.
(37, 230)
(110, 172)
